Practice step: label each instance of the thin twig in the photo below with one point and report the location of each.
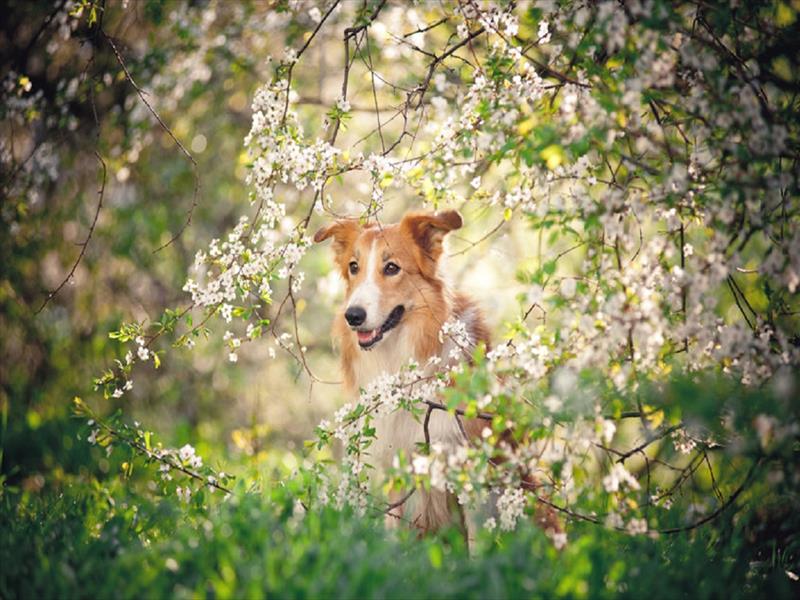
(141, 93)
(626, 455)
(153, 455)
(401, 501)
(85, 243)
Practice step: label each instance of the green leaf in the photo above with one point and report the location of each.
(436, 556)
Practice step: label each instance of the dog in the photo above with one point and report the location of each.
(395, 304)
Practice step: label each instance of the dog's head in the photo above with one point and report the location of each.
(390, 270)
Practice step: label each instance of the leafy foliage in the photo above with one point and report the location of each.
(77, 545)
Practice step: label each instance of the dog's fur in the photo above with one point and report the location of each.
(415, 246)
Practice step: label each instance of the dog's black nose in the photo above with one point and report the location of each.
(355, 316)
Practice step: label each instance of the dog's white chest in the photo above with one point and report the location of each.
(387, 357)
(400, 430)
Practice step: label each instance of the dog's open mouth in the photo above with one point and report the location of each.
(367, 339)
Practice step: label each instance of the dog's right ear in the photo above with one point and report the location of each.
(344, 233)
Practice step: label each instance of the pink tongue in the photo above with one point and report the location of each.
(365, 336)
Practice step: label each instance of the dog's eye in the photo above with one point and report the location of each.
(353, 267)
(391, 269)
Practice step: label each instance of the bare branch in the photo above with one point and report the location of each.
(85, 243)
(141, 93)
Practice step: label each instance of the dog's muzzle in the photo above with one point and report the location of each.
(367, 339)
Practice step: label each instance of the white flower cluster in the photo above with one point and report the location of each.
(617, 477)
(278, 148)
(454, 333)
(683, 442)
(187, 456)
(343, 105)
(504, 23)
(253, 252)
(532, 355)
(442, 467)
(184, 493)
(120, 391)
(240, 263)
(353, 427)
(637, 526)
(383, 171)
(470, 133)
(511, 506)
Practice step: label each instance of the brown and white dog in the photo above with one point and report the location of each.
(395, 305)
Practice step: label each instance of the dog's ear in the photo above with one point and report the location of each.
(344, 233)
(428, 230)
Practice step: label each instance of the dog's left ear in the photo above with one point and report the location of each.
(428, 230)
(344, 233)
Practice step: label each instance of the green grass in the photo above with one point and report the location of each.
(84, 543)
